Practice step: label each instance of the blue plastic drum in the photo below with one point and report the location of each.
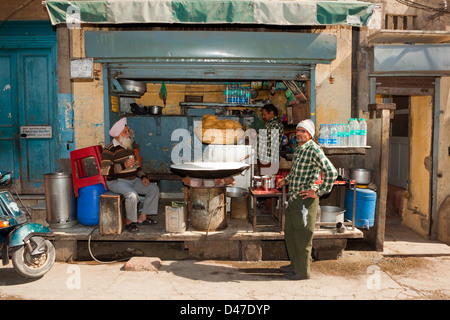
(365, 207)
(88, 204)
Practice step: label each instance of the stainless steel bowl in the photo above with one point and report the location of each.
(133, 86)
(155, 110)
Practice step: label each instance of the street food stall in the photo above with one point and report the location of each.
(167, 80)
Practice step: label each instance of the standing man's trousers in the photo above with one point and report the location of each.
(298, 237)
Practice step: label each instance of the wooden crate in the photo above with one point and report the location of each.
(112, 213)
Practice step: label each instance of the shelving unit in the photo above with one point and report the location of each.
(345, 150)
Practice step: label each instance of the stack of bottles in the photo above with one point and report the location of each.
(236, 94)
(351, 134)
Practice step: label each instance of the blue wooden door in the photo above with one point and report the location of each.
(9, 143)
(27, 99)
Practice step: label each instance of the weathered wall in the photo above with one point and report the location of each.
(333, 100)
(32, 11)
(424, 20)
(88, 100)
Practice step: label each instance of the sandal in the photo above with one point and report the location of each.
(148, 221)
(132, 227)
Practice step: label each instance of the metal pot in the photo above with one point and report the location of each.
(361, 176)
(133, 86)
(236, 192)
(155, 110)
(257, 181)
(331, 214)
(268, 182)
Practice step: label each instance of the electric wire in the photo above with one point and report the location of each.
(14, 12)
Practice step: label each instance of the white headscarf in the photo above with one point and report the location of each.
(308, 125)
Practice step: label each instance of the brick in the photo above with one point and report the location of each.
(143, 264)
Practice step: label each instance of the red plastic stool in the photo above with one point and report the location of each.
(80, 180)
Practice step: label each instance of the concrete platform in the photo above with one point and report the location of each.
(236, 242)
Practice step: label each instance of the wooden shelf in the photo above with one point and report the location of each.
(218, 104)
(345, 150)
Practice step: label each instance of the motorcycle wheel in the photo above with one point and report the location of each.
(33, 267)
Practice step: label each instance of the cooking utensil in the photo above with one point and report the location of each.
(155, 110)
(133, 86)
(331, 214)
(208, 170)
(361, 176)
(236, 192)
(268, 182)
(257, 182)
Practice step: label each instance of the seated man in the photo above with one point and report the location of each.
(126, 177)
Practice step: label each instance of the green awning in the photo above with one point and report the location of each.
(269, 12)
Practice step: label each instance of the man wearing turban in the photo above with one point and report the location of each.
(309, 160)
(126, 177)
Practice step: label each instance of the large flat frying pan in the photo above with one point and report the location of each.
(208, 170)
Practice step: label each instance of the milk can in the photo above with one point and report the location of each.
(60, 200)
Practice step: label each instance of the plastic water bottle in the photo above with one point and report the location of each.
(226, 92)
(346, 134)
(329, 141)
(333, 135)
(230, 93)
(248, 95)
(354, 127)
(358, 134)
(339, 134)
(241, 94)
(363, 132)
(323, 135)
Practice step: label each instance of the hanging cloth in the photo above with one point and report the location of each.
(163, 93)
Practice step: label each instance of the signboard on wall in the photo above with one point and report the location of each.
(82, 68)
(36, 132)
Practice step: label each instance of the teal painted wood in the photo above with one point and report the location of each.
(28, 97)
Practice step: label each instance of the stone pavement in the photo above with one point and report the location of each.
(359, 274)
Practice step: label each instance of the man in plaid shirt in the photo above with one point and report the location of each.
(270, 141)
(304, 194)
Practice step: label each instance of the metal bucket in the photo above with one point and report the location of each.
(208, 208)
(268, 182)
(60, 200)
(331, 214)
(239, 203)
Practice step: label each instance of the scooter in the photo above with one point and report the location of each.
(27, 243)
